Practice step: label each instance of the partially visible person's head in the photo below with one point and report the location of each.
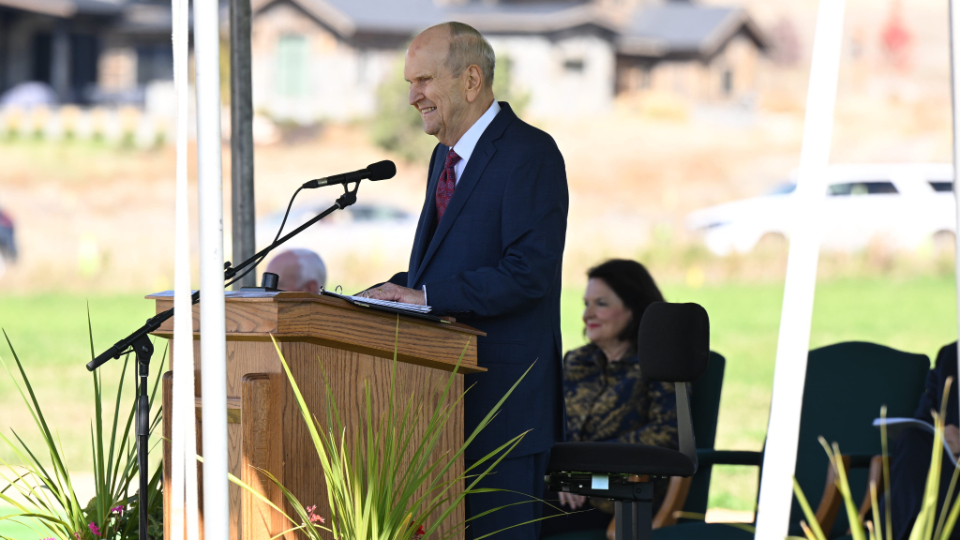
(450, 70)
(300, 270)
(618, 292)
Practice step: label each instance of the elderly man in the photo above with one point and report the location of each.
(488, 250)
(300, 270)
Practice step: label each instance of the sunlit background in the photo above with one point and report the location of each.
(663, 112)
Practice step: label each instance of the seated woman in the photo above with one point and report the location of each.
(606, 397)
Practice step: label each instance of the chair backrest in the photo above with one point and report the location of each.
(673, 345)
(846, 384)
(705, 408)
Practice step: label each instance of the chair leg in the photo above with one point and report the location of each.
(634, 519)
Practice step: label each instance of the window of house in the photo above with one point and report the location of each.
(42, 57)
(292, 65)
(941, 186)
(726, 82)
(154, 63)
(646, 77)
(573, 65)
(863, 188)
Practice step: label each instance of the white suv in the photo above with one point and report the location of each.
(907, 205)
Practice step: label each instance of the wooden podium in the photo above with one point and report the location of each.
(319, 336)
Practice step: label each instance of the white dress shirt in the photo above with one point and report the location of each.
(464, 147)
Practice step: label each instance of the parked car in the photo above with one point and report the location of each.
(8, 244)
(907, 205)
(364, 230)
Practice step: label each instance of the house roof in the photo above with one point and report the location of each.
(531, 17)
(406, 17)
(683, 28)
(348, 17)
(66, 8)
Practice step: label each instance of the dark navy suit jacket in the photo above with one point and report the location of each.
(494, 262)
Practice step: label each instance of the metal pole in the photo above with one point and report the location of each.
(955, 101)
(241, 138)
(213, 350)
(780, 456)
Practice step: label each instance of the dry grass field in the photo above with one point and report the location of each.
(95, 222)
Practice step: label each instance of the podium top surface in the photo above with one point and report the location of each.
(260, 315)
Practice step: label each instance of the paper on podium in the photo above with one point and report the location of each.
(411, 308)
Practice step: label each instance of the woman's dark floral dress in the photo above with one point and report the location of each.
(613, 402)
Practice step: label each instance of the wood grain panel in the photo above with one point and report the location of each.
(323, 339)
(262, 449)
(167, 421)
(240, 317)
(375, 333)
(334, 322)
(347, 372)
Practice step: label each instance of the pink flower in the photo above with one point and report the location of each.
(313, 517)
(117, 509)
(94, 529)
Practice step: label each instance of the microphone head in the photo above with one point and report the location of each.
(382, 170)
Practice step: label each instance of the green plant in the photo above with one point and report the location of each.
(42, 491)
(372, 483)
(928, 526)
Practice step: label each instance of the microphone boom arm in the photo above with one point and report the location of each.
(119, 348)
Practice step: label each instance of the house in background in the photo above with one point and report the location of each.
(87, 51)
(708, 54)
(324, 59)
(316, 59)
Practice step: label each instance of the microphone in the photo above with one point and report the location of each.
(380, 170)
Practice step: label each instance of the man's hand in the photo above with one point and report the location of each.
(951, 435)
(395, 293)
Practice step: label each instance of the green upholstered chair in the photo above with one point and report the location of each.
(690, 494)
(846, 384)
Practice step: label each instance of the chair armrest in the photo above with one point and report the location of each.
(707, 456)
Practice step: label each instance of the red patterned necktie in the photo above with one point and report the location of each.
(447, 183)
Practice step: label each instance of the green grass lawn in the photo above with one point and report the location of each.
(49, 333)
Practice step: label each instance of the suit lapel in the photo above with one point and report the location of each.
(427, 216)
(482, 154)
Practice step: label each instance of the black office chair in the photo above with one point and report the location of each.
(674, 346)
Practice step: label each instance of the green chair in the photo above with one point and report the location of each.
(846, 384)
(704, 407)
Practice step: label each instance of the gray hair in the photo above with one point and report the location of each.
(311, 267)
(468, 47)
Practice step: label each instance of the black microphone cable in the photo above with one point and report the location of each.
(275, 238)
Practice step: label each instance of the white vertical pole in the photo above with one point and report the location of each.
(184, 434)
(213, 349)
(955, 102)
(780, 456)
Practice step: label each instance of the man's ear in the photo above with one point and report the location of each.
(311, 286)
(473, 82)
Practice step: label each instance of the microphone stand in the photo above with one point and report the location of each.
(139, 341)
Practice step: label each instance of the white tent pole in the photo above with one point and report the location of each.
(184, 434)
(213, 349)
(955, 102)
(780, 456)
